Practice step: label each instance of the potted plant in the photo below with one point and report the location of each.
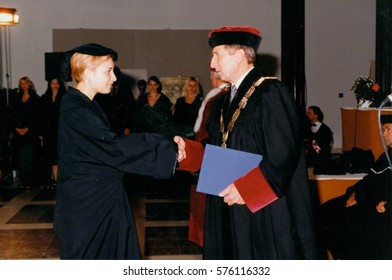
(364, 89)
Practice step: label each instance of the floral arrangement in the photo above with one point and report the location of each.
(364, 89)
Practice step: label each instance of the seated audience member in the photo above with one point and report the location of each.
(318, 138)
(358, 224)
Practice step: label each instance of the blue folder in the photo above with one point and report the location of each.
(221, 166)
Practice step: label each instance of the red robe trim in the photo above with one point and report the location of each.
(194, 156)
(196, 216)
(255, 190)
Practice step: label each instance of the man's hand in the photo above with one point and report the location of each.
(351, 200)
(181, 148)
(231, 195)
(22, 131)
(380, 207)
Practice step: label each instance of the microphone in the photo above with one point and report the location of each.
(387, 99)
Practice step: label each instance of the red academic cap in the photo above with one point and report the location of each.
(235, 35)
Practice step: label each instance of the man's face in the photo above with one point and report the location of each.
(312, 117)
(225, 63)
(387, 134)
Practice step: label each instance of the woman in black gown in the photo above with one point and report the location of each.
(187, 106)
(50, 105)
(93, 218)
(26, 138)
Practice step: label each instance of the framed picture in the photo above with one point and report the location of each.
(172, 86)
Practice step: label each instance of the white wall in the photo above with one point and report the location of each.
(340, 35)
(339, 47)
(33, 36)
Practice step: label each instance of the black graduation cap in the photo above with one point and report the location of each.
(93, 49)
(89, 49)
(386, 119)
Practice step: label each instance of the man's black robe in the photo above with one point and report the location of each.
(282, 227)
(360, 232)
(93, 218)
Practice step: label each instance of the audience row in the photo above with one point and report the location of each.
(29, 122)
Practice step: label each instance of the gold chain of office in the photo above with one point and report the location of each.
(241, 105)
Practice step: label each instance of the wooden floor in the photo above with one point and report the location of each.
(161, 210)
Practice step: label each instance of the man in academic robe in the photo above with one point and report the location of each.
(266, 213)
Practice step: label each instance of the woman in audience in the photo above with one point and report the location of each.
(187, 106)
(154, 100)
(26, 138)
(50, 104)
(154, 113)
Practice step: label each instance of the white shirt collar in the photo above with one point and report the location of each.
(239, 81)
(222, 86)
(316, 127)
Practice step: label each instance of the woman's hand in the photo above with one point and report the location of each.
(181, 148)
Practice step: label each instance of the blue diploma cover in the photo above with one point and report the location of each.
(221, 166)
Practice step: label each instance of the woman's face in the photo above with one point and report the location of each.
(153, 86)
(192, 87)
(102, 77)
(24, 85)
(55, 85)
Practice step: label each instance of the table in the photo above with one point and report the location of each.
(331, 186)
(326, 187)
(360, 129)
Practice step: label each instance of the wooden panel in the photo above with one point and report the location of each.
(328, 189)
(360, 129)
(331, 186)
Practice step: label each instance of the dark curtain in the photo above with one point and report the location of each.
(383, 47)
(293, 49)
